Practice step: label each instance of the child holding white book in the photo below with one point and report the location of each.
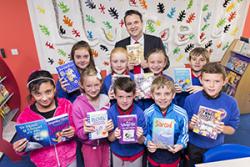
(163, 92)
(95, 152)
(46, 105)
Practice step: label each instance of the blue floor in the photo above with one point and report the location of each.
(241, 136)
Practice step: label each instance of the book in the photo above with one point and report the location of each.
(44, 132)
(207, 122)
(128, 125)
(230, 90)
(163, 133)
(233, 78)
(99, 120)
(182, 77)
(135, 53)
(237, 65)
(69, 72)
(143, 84)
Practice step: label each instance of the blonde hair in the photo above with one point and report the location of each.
(162, 81)
(199, 51)
(119, 50)
(90, 71)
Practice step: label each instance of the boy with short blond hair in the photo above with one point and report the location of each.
(163, 92)
(213, 78)
(127, 155)
(198, 57)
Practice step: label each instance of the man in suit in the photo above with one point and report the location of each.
(134, 25)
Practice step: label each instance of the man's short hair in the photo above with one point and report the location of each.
(131, 12)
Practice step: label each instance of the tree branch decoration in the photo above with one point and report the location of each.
(90, 4)
(63, 7)
(181, 16)
(113, 13)
(44, 30)
(161, 8)
(171, 12)
(67, 21)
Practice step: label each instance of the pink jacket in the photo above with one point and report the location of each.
(81, 107)
(59, 155)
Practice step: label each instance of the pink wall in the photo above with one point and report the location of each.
(16, 32)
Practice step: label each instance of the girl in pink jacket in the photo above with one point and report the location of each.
(42, 90)
(95, 152)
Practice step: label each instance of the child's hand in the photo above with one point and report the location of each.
(178, 88)
(220, 127)
(68, 132)
(138, 93)
(63, 83)
(193, 121)
(144, 64)
(117, 133)
(109, 125)
(139, 132)
(87, 127)
(20, 145)
(194, 89)
(111, 94)
(151, 147)
(175, 148)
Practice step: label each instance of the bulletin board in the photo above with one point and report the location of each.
(181, 24)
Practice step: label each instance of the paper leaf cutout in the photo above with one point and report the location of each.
(205, 8)
(51, 61)
(161, 8)
(176, 50)
(113, 13)
(205, 27)
(107, 24)
(121, 23)
(75, 33)
(62, 30)
(144, 4)
(90, 19)
(190, 4)
(67, 21)
(90, 4)
(132, 2)
(171, 13)
(207, 17)
(90, 35)
(232, 16)
(40, 9)
(226, 2)
(189, 47)
(191, 18)
(226, 28)
(49, 45)
(102, 8)
(61, 52)
(149, 26)
(104, 48)
(63, 7)
(210, 43)
(44, 30)
(181, 16)
(221, 23)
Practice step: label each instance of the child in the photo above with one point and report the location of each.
(82, 57)
(127, 155)
(157, 62)
(95, 152)
(198, 57)
(213, 78)
(42, 90)
(163, 92)
(119, 65)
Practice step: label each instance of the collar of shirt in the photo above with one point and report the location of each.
(140, 41)
(122, 112)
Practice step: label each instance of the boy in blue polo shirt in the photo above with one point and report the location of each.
(213, 78)
(127, 155)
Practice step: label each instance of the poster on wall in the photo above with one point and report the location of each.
(182, 26)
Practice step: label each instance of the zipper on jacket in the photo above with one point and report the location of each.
(57, 158)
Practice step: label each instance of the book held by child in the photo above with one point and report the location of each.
(208, 120)
(99, 120)
(182, 77)
(143, 84)
(135, 53)
(44, 132)
(69, 72)
(163, 133)
(128, 125)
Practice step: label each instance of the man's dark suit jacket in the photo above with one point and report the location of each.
(150, 42)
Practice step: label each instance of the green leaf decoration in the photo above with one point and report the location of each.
(44, 30)
(63, 7)
(191, 36)
(190, 4)
(205, 8)
(150, 27)
(107, 24)
(176, 50)
(221, 22)
(205, 27)
(90, 19)
(61, 52)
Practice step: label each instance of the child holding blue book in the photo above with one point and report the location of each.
(163, 92)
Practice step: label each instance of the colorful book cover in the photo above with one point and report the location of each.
(128, 125)
(38, 132)
(233, 78)
(143, 84)
(163, 133)
(135, 53)
(55, 126)
(99, 120)
(182, 77)
(69, 72)
(207, 122)
(237, 65)
(230, 90)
